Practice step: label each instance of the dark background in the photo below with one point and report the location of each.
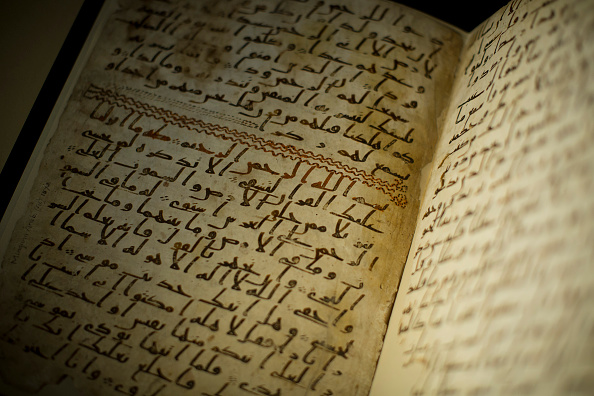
(463, 14)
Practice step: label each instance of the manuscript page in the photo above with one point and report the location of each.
(227, 201)
(496, 295)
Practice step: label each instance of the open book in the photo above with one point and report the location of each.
(309, 198)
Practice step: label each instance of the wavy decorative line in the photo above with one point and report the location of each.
(395, 191)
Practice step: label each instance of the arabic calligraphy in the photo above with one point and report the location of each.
(227, 202)
(496, 249)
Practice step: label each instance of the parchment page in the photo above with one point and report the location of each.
(497, 291)
(227, 202)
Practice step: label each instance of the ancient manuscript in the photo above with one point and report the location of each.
(228, 193)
